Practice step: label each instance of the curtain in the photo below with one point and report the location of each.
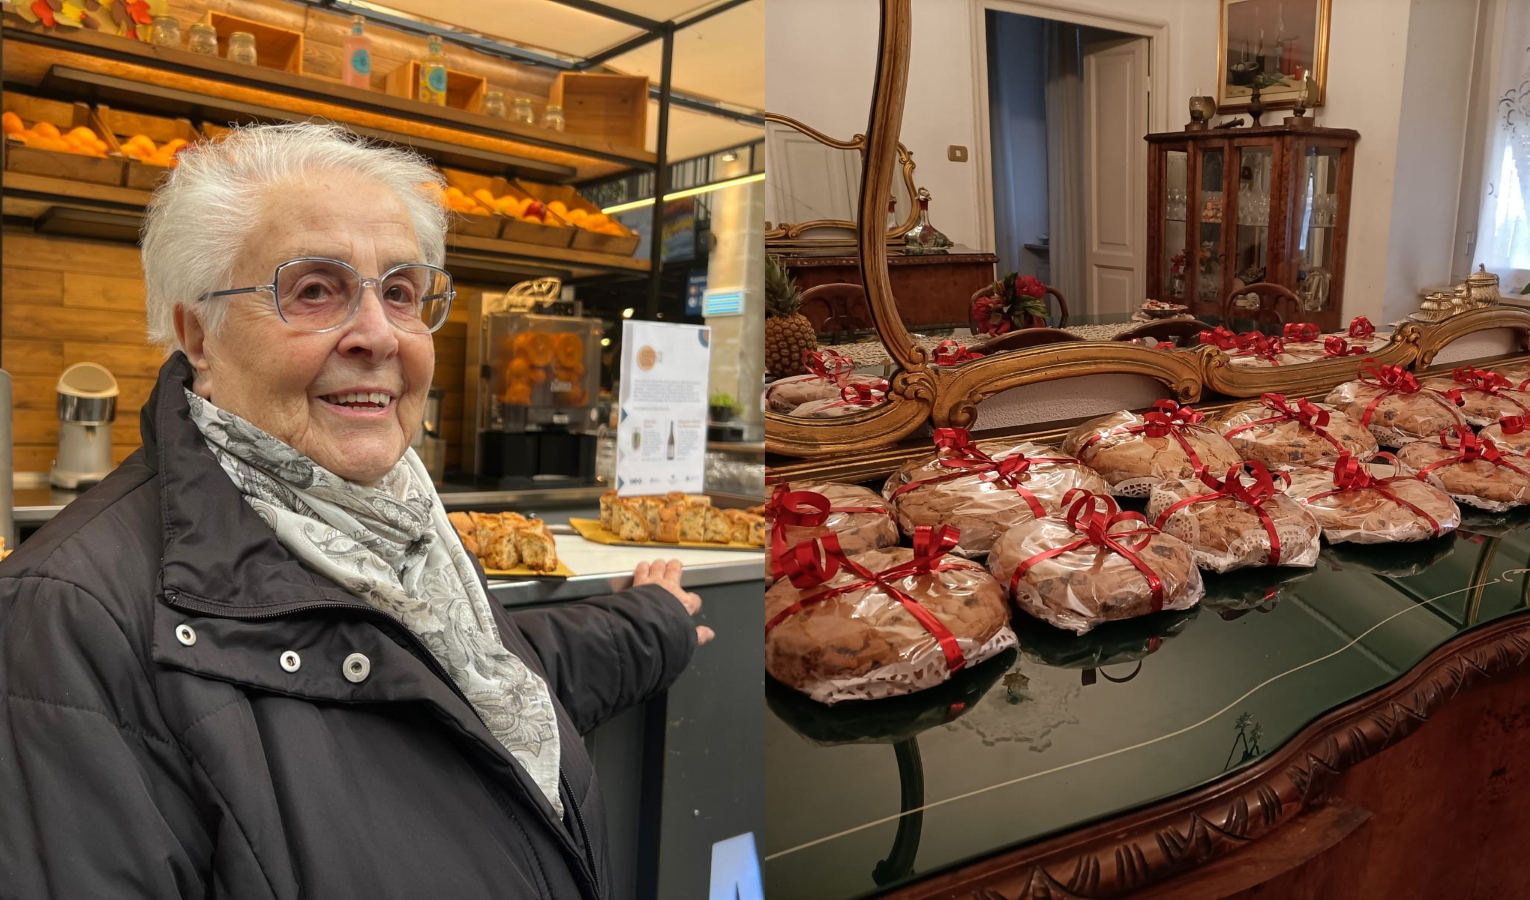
(1503, 232)
(1065, 163)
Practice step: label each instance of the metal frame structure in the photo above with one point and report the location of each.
(652, 30)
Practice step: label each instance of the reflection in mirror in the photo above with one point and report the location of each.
(815, 183)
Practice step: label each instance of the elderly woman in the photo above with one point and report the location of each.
(256, 660)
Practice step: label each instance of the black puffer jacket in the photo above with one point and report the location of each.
(138, 761)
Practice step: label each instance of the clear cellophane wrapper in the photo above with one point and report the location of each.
(857, 531)
(1399, 418)
(1225, 533)
(1131, 463)
(1289, 443)
(1476, 482)
(1510, 434)
(865, 645)
(979, 504)
(1365, 515)
(1256, 361)
(1088, 586)
(1481, 408)
(837, 407)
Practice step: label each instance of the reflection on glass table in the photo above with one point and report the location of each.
(1083, 729)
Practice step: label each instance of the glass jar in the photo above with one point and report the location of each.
(522, 112)
(553, 118)
(924, 238)
(203, 40)
(167, 32)
(494, 104)
(241, 48)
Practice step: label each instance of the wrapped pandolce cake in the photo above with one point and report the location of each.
(1136, 451)
(1284, 434)
(1244, 519)
(1352, 504)
(1471, 469)
(984, 488)
(884, 622)
(1394, 406)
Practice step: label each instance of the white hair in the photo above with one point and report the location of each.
(200, 218)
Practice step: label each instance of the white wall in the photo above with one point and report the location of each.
(1398, 72)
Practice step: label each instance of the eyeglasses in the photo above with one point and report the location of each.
(315, 295)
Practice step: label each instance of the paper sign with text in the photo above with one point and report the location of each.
(661, 439)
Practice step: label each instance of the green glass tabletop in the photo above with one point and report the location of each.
(1070, 730)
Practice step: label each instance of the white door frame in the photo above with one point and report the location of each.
(1155, 30)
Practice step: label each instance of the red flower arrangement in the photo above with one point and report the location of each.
(1177, 264)
(1010, 304)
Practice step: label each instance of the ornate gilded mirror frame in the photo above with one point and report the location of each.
(922, 394)
(787, 231)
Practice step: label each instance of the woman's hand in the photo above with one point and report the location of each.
(666, 574)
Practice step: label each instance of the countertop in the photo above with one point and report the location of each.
(1070, 730)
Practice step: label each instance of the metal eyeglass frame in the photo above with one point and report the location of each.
(362, 285)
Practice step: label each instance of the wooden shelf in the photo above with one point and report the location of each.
(131, 74)
(34, 197)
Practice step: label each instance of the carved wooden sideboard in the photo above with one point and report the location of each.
(931, 291)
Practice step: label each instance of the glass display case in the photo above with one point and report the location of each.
(1232, 207)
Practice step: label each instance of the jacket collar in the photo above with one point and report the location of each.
(217, 551)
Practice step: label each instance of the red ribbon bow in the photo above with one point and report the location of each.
(1470, 448)
(828, 365)
(1301, 332)
(1253, 495)
(1350, 474)
(1394, 379)
(950, 353)
(1095, 516)
(1335, 346)
(862, 394)
(813, 563)
(1361, 328)
(1252, 343)
(1511, 424)
(967, 459)
(1220, 338)
(1305, 412)
(801, 509)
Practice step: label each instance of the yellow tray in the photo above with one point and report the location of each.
(590, 530)
(562, 571)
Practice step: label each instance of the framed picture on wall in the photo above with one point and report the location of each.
(1275, 44)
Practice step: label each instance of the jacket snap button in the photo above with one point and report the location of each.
(291, 661)
(185, 635)
(356, 668)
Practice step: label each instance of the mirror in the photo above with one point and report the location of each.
(814, 187)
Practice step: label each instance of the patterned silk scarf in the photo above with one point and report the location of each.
(392, 546)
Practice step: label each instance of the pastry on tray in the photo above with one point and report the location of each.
(844, 629)
(748, 528)
(1287, 433)
(803, 510)
(672, 518)
(1242, 519)
(1395, 406)
(507, 540)
(1486, 396)
(1355, 504)
(1471, 469)
(983, 488)
(1094, 564)
(1134, 451)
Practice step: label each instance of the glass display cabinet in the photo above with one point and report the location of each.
(1232, 207)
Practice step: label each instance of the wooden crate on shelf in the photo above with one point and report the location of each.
(554, 234)
(117, 126)
(463, 91)
(275, 48)
(623, 244)
(53, 163)
(612, 108)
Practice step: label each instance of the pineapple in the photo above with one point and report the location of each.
(788, 333)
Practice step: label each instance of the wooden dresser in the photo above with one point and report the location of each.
(931, 290)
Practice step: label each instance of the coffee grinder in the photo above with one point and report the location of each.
(87, 405)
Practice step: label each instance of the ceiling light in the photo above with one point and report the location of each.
(730, 156)
(627, 313)
(690, 192)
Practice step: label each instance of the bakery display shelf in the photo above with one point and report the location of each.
(172, 82)
(33, 196)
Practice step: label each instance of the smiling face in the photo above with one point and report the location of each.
(350, 399)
